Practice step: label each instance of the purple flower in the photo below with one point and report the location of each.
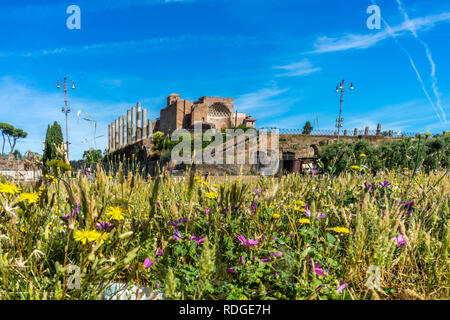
(242, 259)
(408, 206)
(231, 270)
(207, 210)
(159, 252)
(368, 186)
(276, 274)
(342, 287)
(276, 254)
(177, 222)
(307, 212)
(157, 285)
(385, 184)
(105, 226)
(313, 172)
(258, 191)
(400, 240)
(318, 270)
(177, 235)
(74, 211)
(200, 240)
(247, 243)
(253, 205)
(147, 263)
(265, 259)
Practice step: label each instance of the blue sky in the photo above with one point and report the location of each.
(280, 60)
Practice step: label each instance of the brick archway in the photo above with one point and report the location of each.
(219, 115)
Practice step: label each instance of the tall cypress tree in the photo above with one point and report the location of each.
(53, 137)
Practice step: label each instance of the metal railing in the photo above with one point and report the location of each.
(344, 133)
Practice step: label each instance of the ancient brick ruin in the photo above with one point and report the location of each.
(211, 112)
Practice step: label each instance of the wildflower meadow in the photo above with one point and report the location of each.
(351, 236)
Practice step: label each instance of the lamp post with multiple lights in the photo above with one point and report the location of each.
(66, 109)
(339, 120)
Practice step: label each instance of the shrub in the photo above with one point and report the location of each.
(53, 138)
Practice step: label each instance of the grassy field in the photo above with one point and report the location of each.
(355, 236)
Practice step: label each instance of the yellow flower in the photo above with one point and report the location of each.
(30, 197)
(276, 216)
(51, 178)
(215, 185)
(304, 221)
(90, 236)
(211, 195)
(341, 230)
(362, 155)
(83, 236)
(272, 206)
(427, 134)
(100, 236)
(355, 167)
(115, 213)
(9, 188)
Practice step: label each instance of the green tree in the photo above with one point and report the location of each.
(13, 134)
(92, 155)
(5, 128)
(53, 137)
(307, 128)
(17, 154)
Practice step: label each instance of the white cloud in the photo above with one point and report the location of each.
(296, 69)
(363, 41)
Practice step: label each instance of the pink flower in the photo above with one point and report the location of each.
(247, 243)
(401, 242)
(200, 240)
(231, 270)
(342, 287)
(317, 270)
(276, 254)
(147, 263)
(159, 252)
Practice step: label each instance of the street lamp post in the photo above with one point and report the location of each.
(66, 109)
(339, 120)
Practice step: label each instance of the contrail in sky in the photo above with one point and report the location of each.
(413, 65)
(412, 28)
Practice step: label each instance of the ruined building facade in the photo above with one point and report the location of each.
(210, 112)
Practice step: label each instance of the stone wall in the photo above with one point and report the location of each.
(18, 171)
(308, 146)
